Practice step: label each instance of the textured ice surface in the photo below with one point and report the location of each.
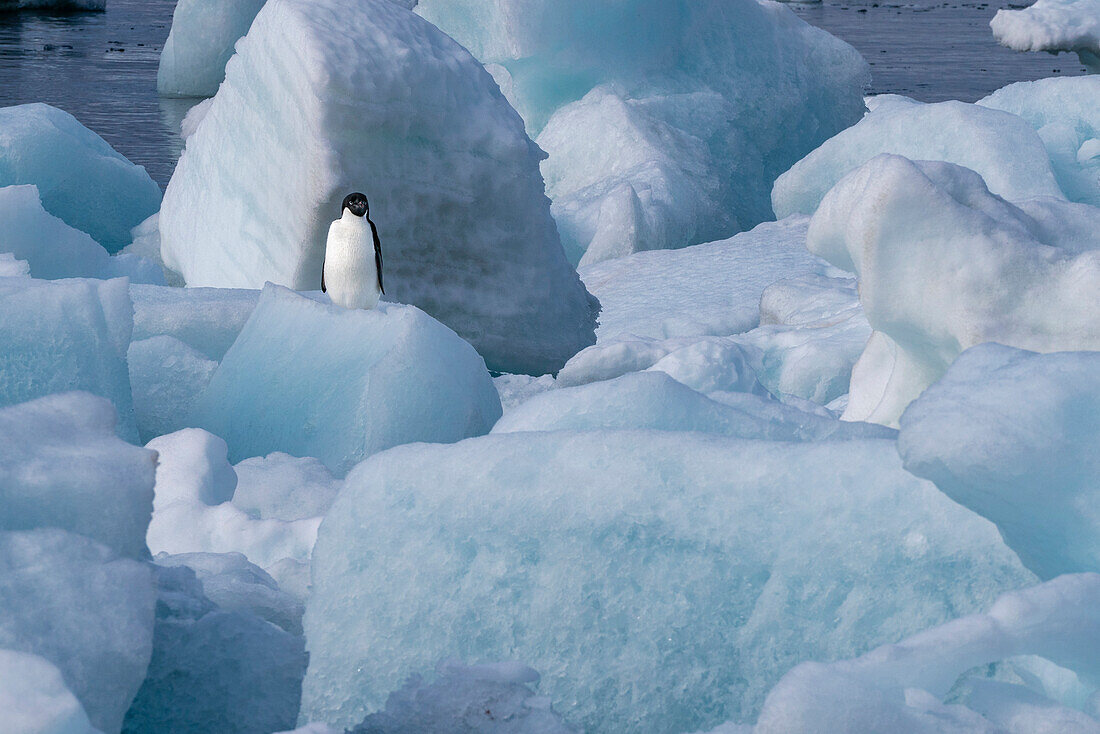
(710, 289)
(310, 379)
(53, 249)
(146, 244)
(339, 96)
(82, 179)
(203, 34)
(900, 687)
(943, 265)
(206, 319)
(1052, 25)
(1066, 114)
(660, 581)
(214, 670)
(65, 335)
(193, 511)
(284, 487)
(234, 584)
(656, 401)
(62, 466)
(35, 700)
(166, 376)
(665, 122)
(1015, 436)
(494, 698)
(10, 267)
(75, 603)
(1004, 149)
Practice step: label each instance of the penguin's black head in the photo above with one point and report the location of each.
(357, 204)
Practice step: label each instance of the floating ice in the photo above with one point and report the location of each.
(1004, 149)
(53, 249)
(35, 700)
(203, 34)
(661, 581)
(146, 244)
(208, 320)
(665, 122)
(1066, 114)
(62, 466)
(166, 376)
(944, 265)
(656, 401)
(1013, 435)
(75, 603)
(1053, 25)
(215, 670)
(311, 379)
(899, 687)
(284, 487)
(331, 96)
(65, 335)
(711, 289)
(493, 698)
(193, 511)
(82, 179)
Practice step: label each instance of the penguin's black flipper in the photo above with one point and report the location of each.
(323, 289)
(377, 256)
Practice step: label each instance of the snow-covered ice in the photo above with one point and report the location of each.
(62, 466)
(82, 180)
(1015, 436)
(311, 379)
(53, 249)
(493, 698)
(1052, 25)
(215, 670)
(166, 376)
(204, 32)
(284, 487)
(659, 581)
(326, 97)
(193, 509)
(665, 122)
(1003, 148)
(80, 606)
(35, 700)
(901, 687)
(1066, 114)
(64, 335)
(943, 265)
(654, 400)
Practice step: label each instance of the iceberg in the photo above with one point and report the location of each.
(1066, 114)
(53, 249)
(77, 604)
(82, 180)
(661, 581)
(208, 320)
(312, 110)
(62, 466)
(66, 335)
(1053, 26)
(665, 122)
(35, 700)
(901, 687)
(1003, 148)
(214, 670)
(311, 379)
(203, 34)
(1012, 435)
(943, 265)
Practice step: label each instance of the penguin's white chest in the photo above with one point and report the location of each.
(351, 277)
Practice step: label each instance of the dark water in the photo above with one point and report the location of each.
(102, 67)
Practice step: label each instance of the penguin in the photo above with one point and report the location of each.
(350, 275)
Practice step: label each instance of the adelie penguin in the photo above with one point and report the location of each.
(352, 271)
